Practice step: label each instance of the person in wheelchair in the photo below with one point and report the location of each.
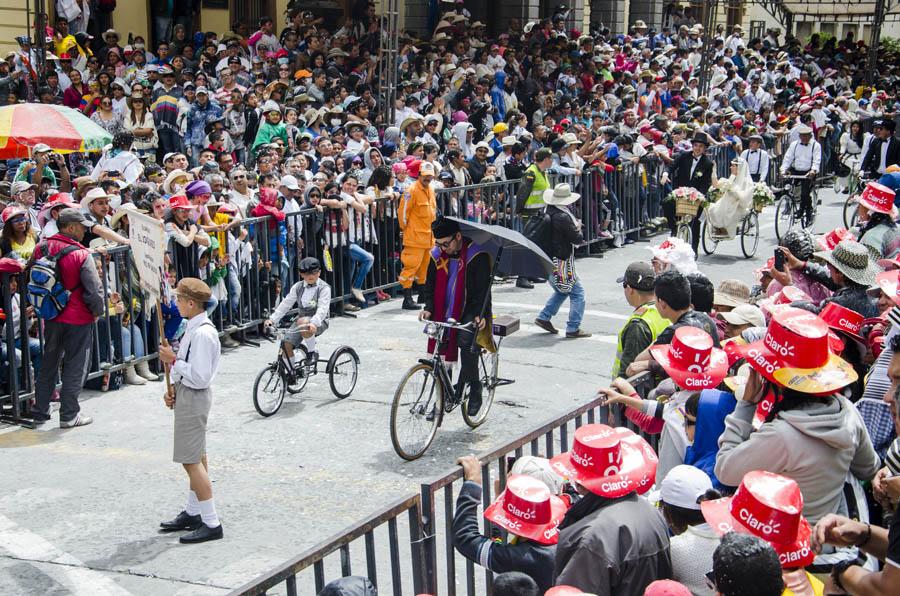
(312, 297)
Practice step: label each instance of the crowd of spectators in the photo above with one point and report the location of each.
(258, 147)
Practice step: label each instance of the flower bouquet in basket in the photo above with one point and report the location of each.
(762, 196)
(687, 200)
(718, 190)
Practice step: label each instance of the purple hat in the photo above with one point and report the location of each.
(197, 187)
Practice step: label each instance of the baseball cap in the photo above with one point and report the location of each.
(683, 485)
(745, 314)
(202, 90)
(70, 216)
(20, 186)
(290, 182)
(40, 148)
(639, 275)
(426, 168)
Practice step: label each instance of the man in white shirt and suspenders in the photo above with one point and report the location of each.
(757, 159)
(193, 369)
(803, 158)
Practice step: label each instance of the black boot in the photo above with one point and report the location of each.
(408, 302)
(420, 299)
(473, 405)
(524, 282)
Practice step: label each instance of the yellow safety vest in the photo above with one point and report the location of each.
(536, 198)
(655, 322)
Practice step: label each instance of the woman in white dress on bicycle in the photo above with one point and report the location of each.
(725, 214)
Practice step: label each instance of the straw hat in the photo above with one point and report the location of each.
(93, 195)
(483, 145)
(174, 176)
(853, 260)
(560, 195)
(731, 292)
(122, 211)
(409, 120)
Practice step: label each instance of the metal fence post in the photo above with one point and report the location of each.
(427, 541)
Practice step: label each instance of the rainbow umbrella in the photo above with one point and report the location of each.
(24, 125)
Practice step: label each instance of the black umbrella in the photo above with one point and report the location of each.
(513, 253)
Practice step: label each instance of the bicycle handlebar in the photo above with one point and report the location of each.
(453, 325)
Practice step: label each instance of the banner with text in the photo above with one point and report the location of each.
(148, 245)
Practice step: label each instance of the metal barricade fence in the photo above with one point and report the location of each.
(434, 565)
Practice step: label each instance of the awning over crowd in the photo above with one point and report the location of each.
(847, 10)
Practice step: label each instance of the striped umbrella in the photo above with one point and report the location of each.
(24, 125)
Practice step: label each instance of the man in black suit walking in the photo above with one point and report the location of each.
(694, 169)
(883, 151)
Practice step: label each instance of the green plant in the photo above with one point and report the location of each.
(889, 44)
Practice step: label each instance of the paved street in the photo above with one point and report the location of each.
(79, 509)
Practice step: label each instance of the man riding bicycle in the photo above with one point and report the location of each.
(457, 287)
(312, 295)
(804, 158)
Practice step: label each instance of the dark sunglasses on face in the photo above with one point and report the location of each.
(17, 219)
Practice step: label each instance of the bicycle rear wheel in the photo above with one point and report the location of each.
(706, 240)
(419, 396)
(343, 371)
(850, 213)
(750, 234)
(489, 363)
(268, 390)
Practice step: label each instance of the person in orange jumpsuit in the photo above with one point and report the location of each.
(418, 210)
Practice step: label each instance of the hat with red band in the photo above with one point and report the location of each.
(795, 354)
(610, 462)
(769, 507)
(841, 318)
(831, 239)
(879, 198)
(179, 202)
(887, 281)
(527, 509)
(691, 360)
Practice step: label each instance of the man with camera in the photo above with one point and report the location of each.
(37, 170)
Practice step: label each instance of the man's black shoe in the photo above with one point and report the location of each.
(409, 304)
(523, 282)
(202, 534)
(473, 405)
(183, 521)
(546, 326)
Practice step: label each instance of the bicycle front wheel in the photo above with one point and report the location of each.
(684, 232)
(850, 211)
(489, 363)
(416, 411)
(268, 390)
(784, 217)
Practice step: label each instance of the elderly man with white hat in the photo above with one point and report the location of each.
(804, 158)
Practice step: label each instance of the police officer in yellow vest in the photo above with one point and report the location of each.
(645, 322)
(530, 195)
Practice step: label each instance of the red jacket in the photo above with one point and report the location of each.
(80, 277)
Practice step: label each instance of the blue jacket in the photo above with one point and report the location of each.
(714, 407)
(197, 118)
(498, 98)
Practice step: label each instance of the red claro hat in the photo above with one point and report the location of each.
(691, 360)
(831, 239)
(527, 509)
(879, 198)
(179, 202)
(795, 353)
(887, 281)
(769, 507)
(610, 462)
(841, 318)
(564, 591)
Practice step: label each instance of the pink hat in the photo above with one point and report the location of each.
(769, 507)
(879, 198)
(691, 360)
(527, 509)
(666, 587)
(610, 462)
(831, 239)
(459, 116)
(796, 353)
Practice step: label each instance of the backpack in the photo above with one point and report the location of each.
(44, 287)
(539, 229)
